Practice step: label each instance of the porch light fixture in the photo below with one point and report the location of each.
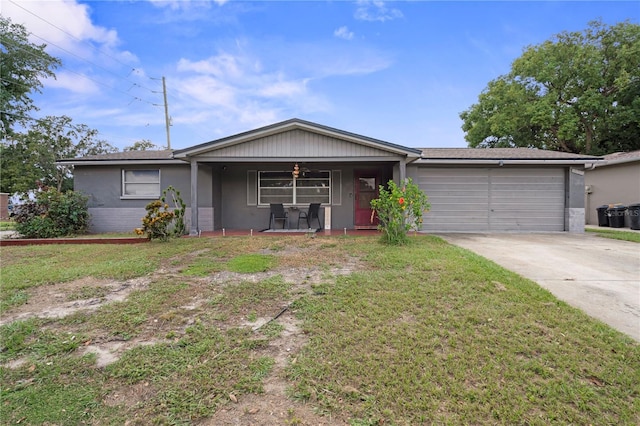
(296, 171)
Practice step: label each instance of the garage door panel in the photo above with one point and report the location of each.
(493, 199)
(527, 200)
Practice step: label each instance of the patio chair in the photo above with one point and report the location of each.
(278, 213)
(309, 215)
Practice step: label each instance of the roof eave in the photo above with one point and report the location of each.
(621, 161)
(507, 161)
(117, 162)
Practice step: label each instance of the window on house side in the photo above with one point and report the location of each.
(281, 187)
(141, 183)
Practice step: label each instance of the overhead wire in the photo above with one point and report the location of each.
(85, 76)
(100, 51)
(70, 126)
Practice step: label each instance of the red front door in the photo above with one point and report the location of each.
(366, 189)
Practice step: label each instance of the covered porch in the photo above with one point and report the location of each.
(295, 163)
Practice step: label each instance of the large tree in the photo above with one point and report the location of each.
(22, 67)
(28, 160)
(142, 145)
(578, 92)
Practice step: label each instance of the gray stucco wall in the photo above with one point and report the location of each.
(574, 200)
(111, 213)
(611, 184)
(237, 201)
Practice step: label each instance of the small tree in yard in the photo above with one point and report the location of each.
(53, 214)
(399, 210)
(161, 223)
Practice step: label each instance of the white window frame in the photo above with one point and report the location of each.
(294, 187)
(154, 196)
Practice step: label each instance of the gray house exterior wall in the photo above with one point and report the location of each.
(517, 189)
(237, 203)
(617, 183)
(110, 212)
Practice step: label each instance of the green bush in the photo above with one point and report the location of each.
(53, 214)
(162, 223)
(399, 210)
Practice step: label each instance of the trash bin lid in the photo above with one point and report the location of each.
(618, 208)
(635, 206)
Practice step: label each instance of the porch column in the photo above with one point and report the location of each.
(402, 170)
(194, 198)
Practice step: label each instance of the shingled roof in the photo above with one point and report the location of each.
(129, 157)
(622, 157)
(500, 154)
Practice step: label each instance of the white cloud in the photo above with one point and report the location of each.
(72, 82)
(376, 10)
(182, 4)
(238, 88)
(223, 65)
(284, 89)
(343, 32)
(50, 23)
(207, 90)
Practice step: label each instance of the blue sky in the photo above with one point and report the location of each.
(397, 71)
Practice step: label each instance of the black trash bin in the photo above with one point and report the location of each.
(603, 219)
(616, 216)
(634, 216)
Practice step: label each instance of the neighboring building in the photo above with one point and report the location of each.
(234, 179)
(615, 181)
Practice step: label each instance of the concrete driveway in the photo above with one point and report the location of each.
(597, 275)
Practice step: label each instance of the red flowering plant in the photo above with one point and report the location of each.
(399, 210)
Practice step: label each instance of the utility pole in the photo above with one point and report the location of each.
(167, 119)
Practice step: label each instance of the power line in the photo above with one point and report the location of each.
(89, 78)
(70, 126)
(81, 41)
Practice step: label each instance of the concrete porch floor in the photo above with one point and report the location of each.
(258, 233)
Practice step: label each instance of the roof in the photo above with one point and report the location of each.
(296, 123)
(498, 156)
(502, 156)
(621, 157)
(128, 157)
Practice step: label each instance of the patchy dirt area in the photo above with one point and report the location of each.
(273, 406)
(53, 301)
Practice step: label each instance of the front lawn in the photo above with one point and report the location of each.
(354, 332)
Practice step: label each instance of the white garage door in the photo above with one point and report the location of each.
(493, 199)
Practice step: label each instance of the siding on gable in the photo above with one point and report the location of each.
(296, 144)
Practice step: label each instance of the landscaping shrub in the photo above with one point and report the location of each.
(161, 223)
(399, 210)
(53, 214)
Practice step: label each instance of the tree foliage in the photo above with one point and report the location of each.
(53, 214)
(578, 92)
(30, 158)
(142, 145)
(22, 66)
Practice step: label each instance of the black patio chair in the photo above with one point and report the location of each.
(278, 213)
(309, 215)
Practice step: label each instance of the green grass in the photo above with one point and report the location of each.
(437, 335)
(423, 334)
(616, 234)
(7, 225)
